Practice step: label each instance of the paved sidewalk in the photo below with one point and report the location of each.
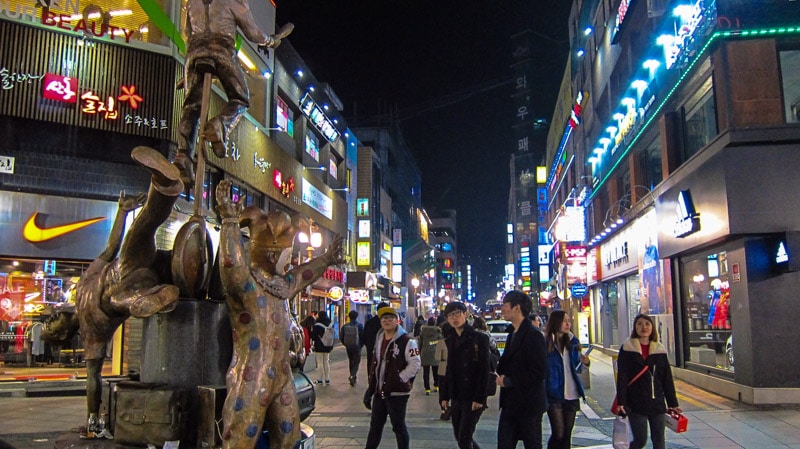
(341, 421)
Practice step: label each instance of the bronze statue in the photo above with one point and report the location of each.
(259, 380)
(211, 30)
(115, 288)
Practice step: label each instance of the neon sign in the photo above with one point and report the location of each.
(691, 20)
(60, 88)
(687, 220)
(286, 187)
(318, 118)
(63, 21)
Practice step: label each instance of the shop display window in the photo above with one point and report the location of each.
(706, 291)
(31, 291)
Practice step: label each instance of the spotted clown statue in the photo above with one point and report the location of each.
(257, 288)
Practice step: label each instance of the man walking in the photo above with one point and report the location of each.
(352, 338)
(521, 374)
(467, 375)
(394, 365)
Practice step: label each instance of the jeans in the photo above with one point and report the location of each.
(639, 430)
(395, 407)
(323, 360)
(354, 357)
(513, 428)
(562, 420)
(464, 422)
(426, 372)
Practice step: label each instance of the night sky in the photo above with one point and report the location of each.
(442, 66)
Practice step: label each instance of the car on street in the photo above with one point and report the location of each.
(499, 330)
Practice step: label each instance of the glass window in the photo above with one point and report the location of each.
(312, 145)
(700, 124)
(650, 164)
(790, 75)
(707, 296)
(284, 117)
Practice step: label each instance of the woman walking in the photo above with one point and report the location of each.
(564, 387)
(646, 399)
(429, 336)
(322, 352)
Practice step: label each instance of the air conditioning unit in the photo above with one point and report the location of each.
(656, 8)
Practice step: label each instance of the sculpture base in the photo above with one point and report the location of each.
(73, 440)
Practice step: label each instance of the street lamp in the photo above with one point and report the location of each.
(313, 239)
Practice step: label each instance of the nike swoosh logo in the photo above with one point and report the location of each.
(34, 233)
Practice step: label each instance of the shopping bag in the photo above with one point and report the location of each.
(615, 407)
(621, 438)
(676, 422)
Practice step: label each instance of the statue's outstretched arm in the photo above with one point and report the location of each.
(303, 275)
(231, 250)
(125, 204)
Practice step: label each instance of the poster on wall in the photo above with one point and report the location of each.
(654, 299)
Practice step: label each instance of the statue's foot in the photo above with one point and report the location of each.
(215, 135)
(154, 300)
(185, 166)
(166, 177)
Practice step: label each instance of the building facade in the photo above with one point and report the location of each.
(684, 171)
(82, 85)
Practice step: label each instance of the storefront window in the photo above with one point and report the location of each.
(701, 124)
(708, 301)
(31, 291)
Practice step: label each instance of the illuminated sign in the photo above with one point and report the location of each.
(687, 220)
(362, 253)
(364, 228)
(362, 207)
(575, 254)
(335, 293)
(397, 254)
(64, 22)
(286, 187)
(318, 118)
(36, 233)
(782, 256)
(577, 108)
(359, 296)
(691, 21)
(7, 165)
(570, 225)
(622, 11)
(317, 200)
(60, 88)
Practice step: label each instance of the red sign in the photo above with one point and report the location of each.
(575, 254)
(60, 88)
(333, 275)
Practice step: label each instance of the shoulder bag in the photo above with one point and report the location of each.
(614, 405)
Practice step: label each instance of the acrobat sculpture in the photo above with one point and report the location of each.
(123, 281)
(211, 30)
(259, 380)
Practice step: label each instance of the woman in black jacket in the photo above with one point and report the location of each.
(653, 393)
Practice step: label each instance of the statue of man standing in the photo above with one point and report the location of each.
(211, 30)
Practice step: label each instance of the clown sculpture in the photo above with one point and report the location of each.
(259, 380)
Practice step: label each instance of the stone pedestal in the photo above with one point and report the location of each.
(185, 348)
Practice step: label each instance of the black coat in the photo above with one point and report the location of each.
(524, 363)
(467, 372)
(652, 391)
(371, 328)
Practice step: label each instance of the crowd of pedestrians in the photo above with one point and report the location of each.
(537, 373)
